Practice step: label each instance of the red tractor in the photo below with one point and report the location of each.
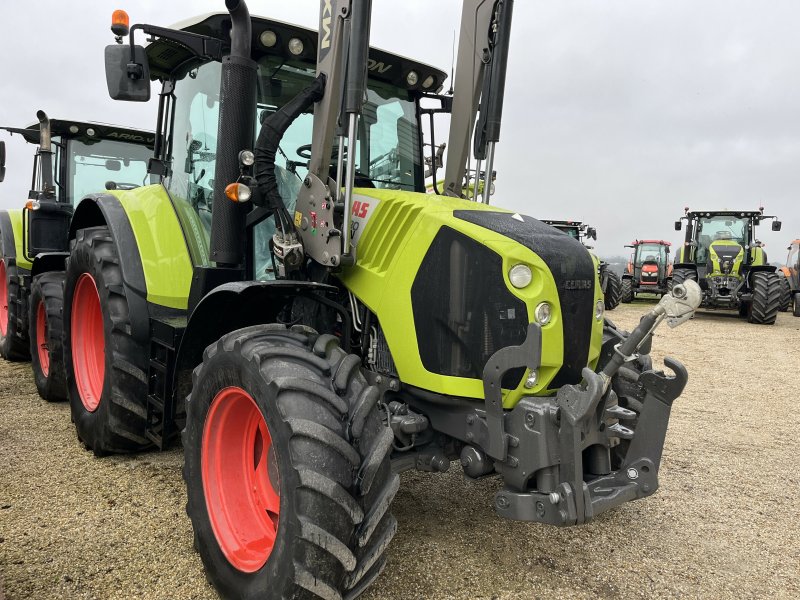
(648, 270)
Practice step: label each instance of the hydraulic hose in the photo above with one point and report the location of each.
(266, 148)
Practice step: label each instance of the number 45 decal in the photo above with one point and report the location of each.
(360, 209)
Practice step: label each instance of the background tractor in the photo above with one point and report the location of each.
(73, 159)
(722, 253)
(791, 278)
(315, 323)
(610, 282)
(648, 271)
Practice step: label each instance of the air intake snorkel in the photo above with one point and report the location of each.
(45, 152)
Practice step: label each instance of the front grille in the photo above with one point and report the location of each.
(463, 311)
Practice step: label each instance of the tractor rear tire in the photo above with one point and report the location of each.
(767, 291)
(626, 291)
(786, 297)
(287, 467)
(45, 331)
(13, 346)
(612, 291)
(105, 366)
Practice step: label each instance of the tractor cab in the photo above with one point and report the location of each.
(722, 253)
(388, 153)
(74, 159)
(648, 269)
(574, 229)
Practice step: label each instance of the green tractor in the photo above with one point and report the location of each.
(73, 159)
(791, 279)
(291, 299)
(610, 282)
(722, 253)
(648, 271)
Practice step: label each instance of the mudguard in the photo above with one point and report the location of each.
(148, 234)
(232, 306)
(11, 237)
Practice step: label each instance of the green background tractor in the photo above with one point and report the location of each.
(722, 253)
(72, 160)
(290, 297)
(610, 282)
(648, 271)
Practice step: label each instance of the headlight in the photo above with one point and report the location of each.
(542, 313)
(599, 308)
(530, 382)
(520, 275)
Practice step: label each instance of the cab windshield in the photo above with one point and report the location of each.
(387, 154)
(720, 227)
(651, 253)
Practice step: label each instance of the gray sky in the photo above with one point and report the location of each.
(618, 113)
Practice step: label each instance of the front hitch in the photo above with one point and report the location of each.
(559, 469)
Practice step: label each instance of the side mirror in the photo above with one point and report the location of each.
(592, 233)
(677, 225)
(127, 80)
(776, 225)
(2, 160)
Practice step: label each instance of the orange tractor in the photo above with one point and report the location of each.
(648, 271)
(791, 279)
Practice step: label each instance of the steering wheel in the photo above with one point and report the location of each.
(304, 151)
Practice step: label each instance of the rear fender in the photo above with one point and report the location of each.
(149, 236)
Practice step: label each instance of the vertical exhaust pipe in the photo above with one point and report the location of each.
(237, 113)
(46, 156)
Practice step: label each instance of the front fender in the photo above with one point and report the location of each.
(11, 237)
(232, 306)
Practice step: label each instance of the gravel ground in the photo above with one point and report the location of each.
(724, 523)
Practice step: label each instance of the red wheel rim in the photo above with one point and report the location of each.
(41, 339)
(88, 342)
(240, 479)
(3, 299)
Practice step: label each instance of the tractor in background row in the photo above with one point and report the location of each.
(72, 159)
(791, 279)
(722, 253)
(609, 281)
(648, 271)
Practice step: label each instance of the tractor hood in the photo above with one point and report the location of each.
(725, 257)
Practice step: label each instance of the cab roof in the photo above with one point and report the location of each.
(167, 56)
(554, 223)
(662, 242)
(86, 132)
(727, 213)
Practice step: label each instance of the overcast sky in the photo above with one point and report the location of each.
(618, 113)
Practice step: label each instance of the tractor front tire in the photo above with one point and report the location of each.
(626, 293)
(12, 345)
(287, 467)
(105, 366)
(786, 296)
(45, 331)
(612, 290)
(767, 291)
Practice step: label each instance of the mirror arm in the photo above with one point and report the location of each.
(201, 46)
